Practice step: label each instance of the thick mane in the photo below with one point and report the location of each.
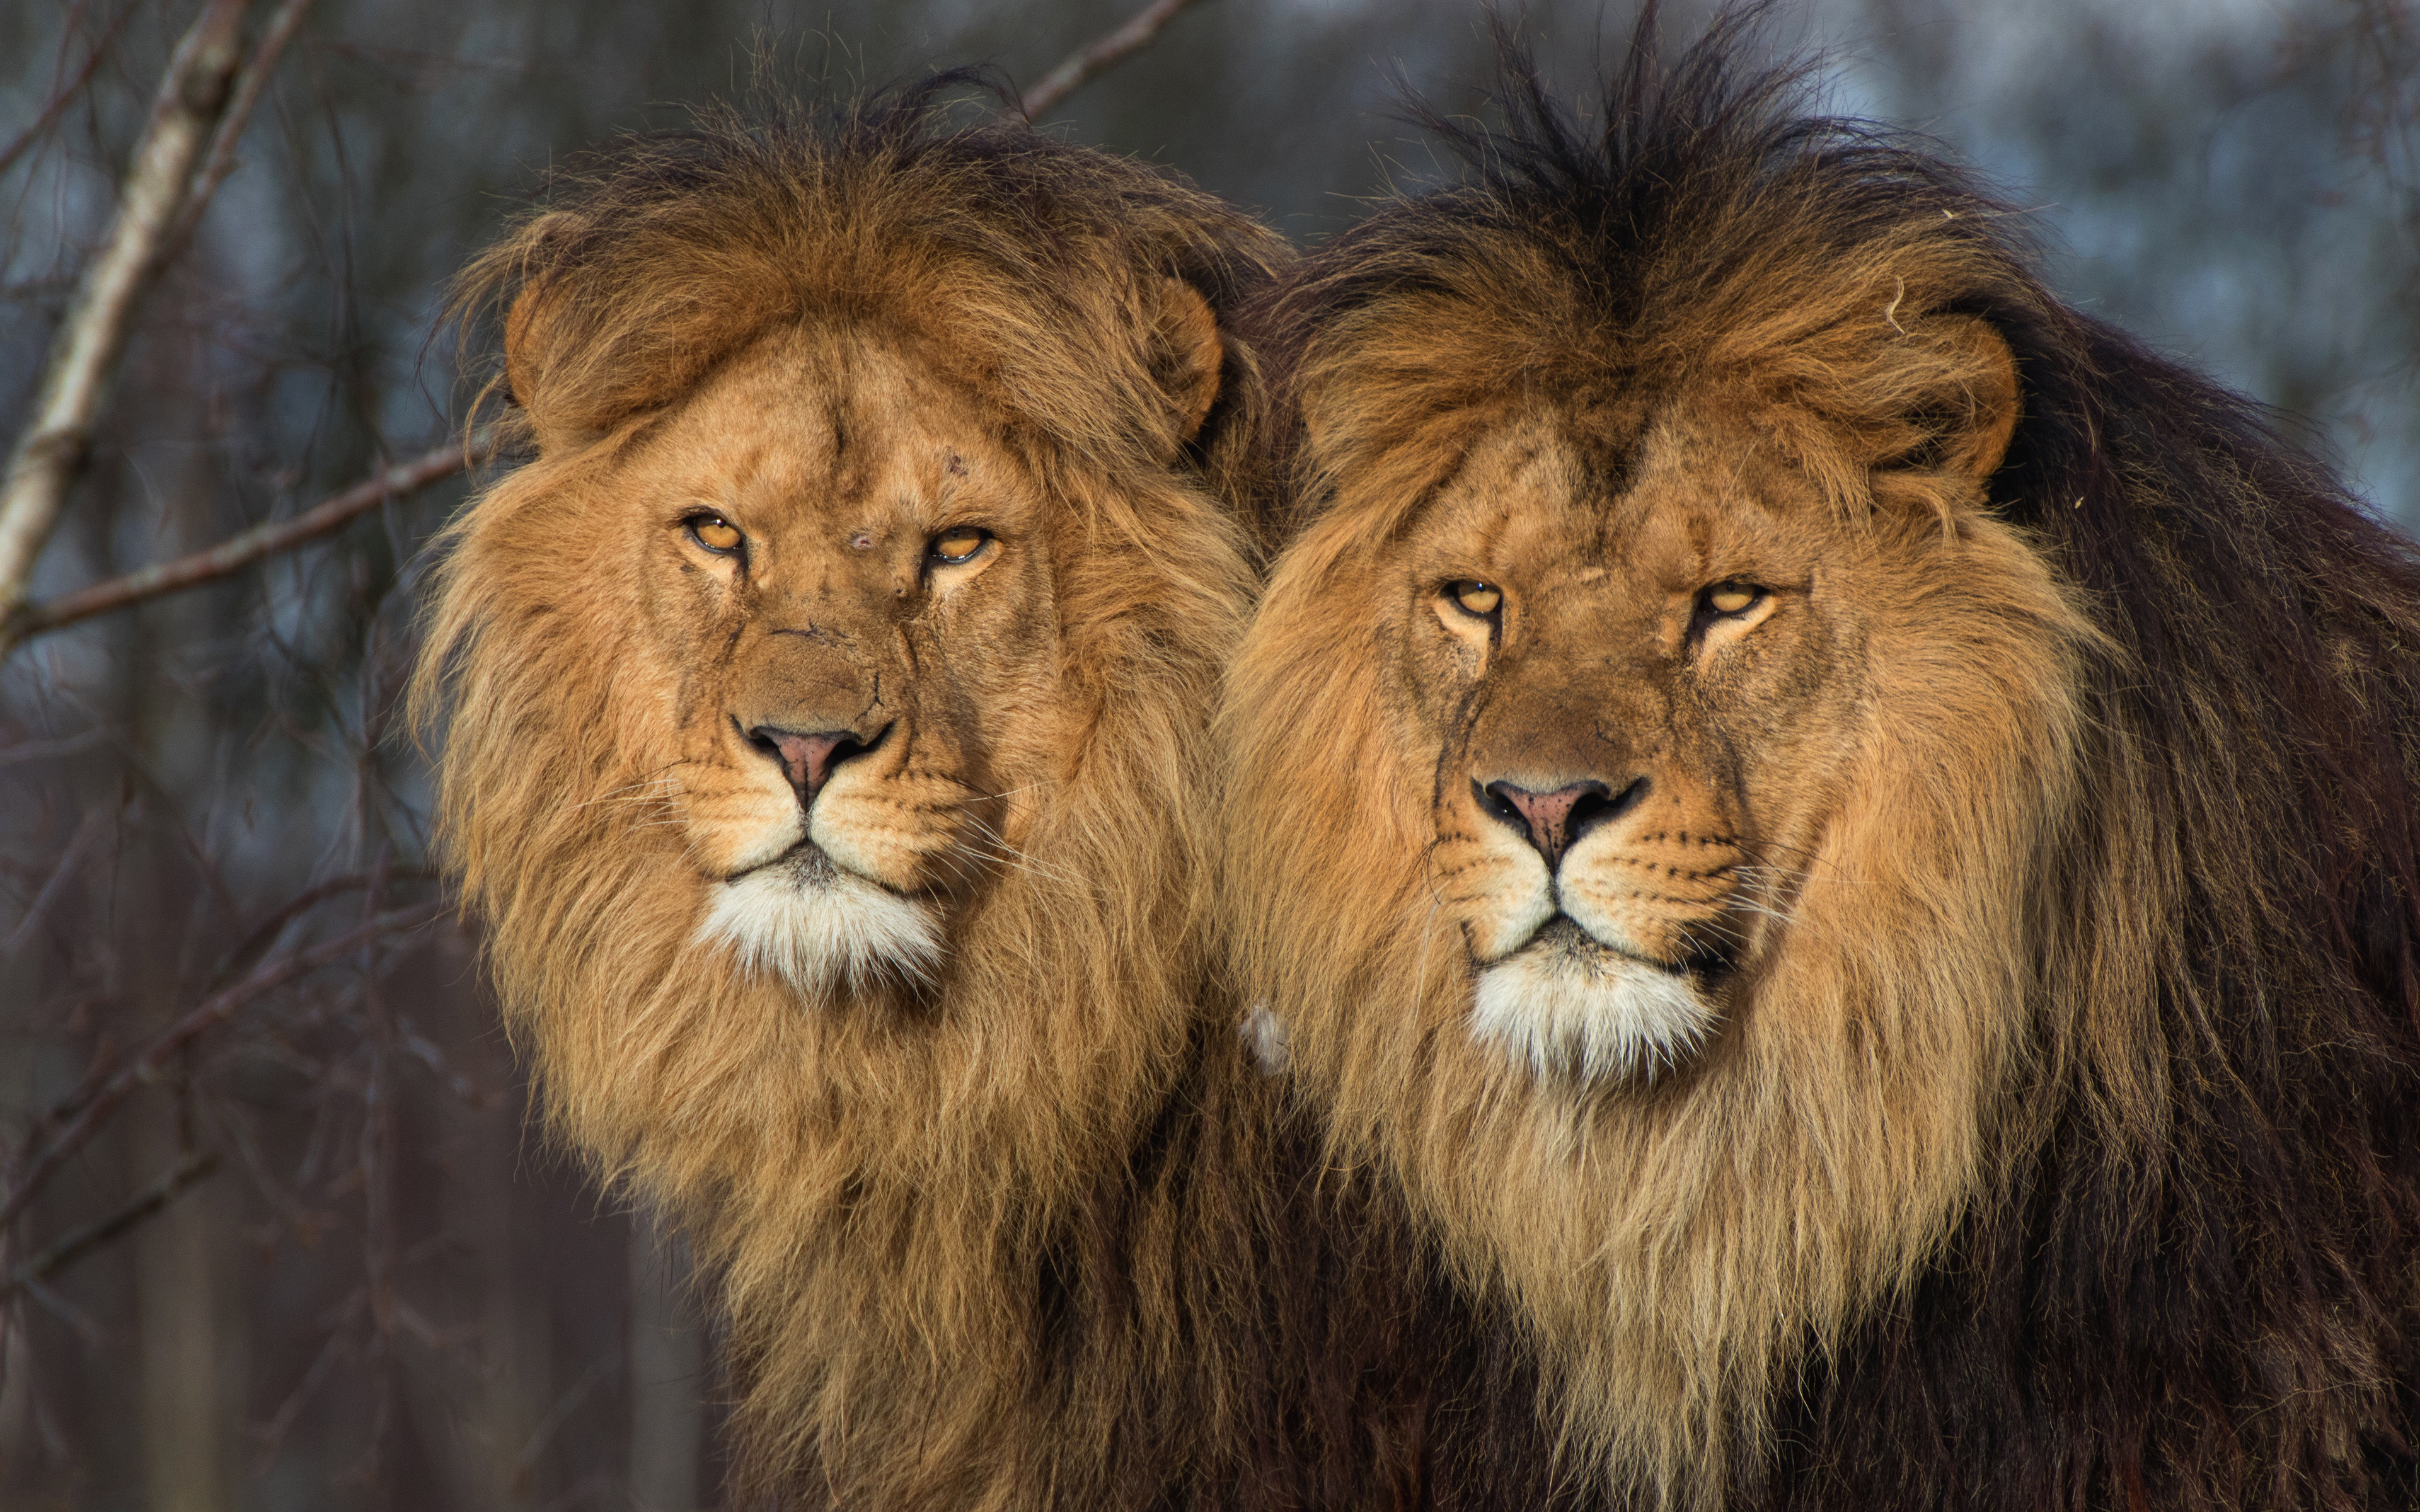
(2183, 1273)
(919, 1214)
(655, 259)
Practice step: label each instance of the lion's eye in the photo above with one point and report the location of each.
(1476, 598)
(959, 543)
(715, 533)
(1732, 598)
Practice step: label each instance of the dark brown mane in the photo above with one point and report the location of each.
(2192, 1282)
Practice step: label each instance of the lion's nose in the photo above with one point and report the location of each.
(808, 757)
(1555, 822)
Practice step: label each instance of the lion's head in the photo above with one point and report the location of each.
(1697, 818)
(826, 737)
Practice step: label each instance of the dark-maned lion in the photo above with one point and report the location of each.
(827, 700)
(1843, 832)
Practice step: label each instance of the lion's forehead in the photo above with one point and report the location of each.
(1539, 503)
(838, 438)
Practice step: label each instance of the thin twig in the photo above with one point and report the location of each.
(265, 933)
(66, 94)
(1085, 62)
(52, 451)
(220, 161)
(240, 551)
(43, 750)
(37, 1168)
(61, 873)
(164, 1189)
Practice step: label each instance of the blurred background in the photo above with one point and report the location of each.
(275, 1231)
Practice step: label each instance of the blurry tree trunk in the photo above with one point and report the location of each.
(514, 1342)
(667, 1377)
(188, 1410)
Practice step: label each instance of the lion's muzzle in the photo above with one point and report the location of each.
(1602, 904)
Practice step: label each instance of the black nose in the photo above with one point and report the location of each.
(808, 757)
(1555, 822)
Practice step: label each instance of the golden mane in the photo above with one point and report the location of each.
(2072, 1155)
(916, 1209)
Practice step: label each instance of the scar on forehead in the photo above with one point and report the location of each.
(957, 466)
(861, 541)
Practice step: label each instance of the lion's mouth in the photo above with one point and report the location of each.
(806, 863)
(811, 869)
(1562, 938)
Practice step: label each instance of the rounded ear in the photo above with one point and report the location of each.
(1190, 356)
(526, 335)
(1983, 398)
(533, 323)
(533, 330)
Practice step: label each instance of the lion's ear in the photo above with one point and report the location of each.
(526, 335)
(534, 323)
(1980, 400)
(534, 359)
(1190, 355)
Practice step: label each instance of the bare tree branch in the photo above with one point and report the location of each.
(266, 932)
(35, 1166)
(52, 450)
(66, 94)
(88, 831)
(240, 551)
(68, 1248)
(1086, 62)
(248, 87)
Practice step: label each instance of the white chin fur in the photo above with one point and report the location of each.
(821, 927)
(1576, 1008)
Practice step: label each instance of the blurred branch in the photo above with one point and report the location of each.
(87, 833)
(65, 95)
(248, 86)
(240, 551)
(1088, 61)
(267, 931)
(165, 1188)
(33, 1167)
(159, 190)
(2385, 105)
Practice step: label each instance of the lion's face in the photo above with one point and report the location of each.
(847, 579)
(1637, 682)
(1638, 798)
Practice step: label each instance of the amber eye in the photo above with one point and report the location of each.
(959, 543)
(1732, 598)
(715, 533)
(1476, 598)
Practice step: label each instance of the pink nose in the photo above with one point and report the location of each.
(808, 758)
(1555, 822)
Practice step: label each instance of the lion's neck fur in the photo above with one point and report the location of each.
(875, 1187)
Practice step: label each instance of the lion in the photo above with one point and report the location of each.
(826, 700)
(1842, 832)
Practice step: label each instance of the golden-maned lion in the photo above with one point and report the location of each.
(826, 698)
(1843, 832)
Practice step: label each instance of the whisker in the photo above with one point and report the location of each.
(987, 798)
